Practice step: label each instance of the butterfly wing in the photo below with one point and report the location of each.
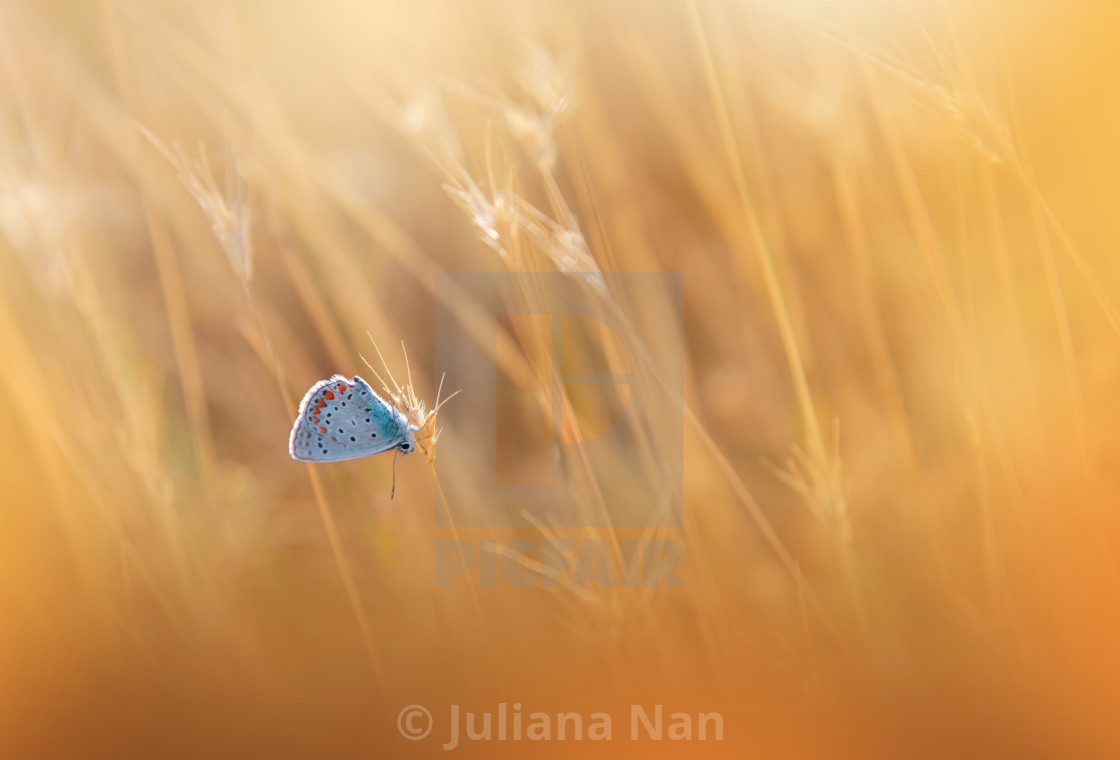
(344, 419)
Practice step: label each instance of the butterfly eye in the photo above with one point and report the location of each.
(406, 447)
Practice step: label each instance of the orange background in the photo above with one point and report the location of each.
(897, 232)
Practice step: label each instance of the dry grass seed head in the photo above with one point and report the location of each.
(405, 400)
(229, 210)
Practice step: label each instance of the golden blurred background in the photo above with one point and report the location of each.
(896, 232)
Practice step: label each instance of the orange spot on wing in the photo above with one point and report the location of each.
(316, 420)
(334, 439)
(320, 403)
(327, 395)
(322, 430)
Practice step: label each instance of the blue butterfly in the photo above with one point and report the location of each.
(345, 419)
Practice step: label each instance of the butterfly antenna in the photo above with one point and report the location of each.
(393, 492)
